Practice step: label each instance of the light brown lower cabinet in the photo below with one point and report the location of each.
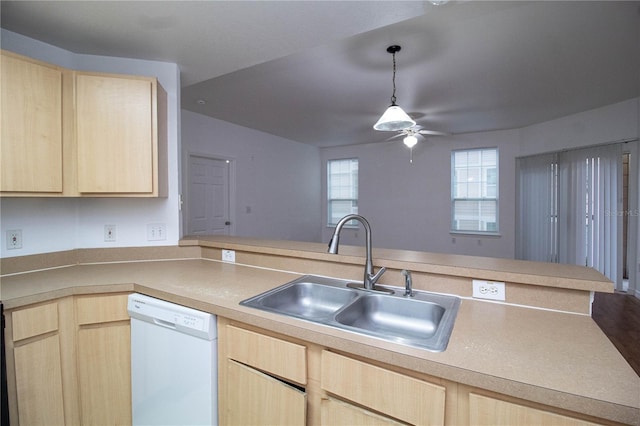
(104, 359)
(261, 378)
(68, 362)
(261, 372)
(490, 411)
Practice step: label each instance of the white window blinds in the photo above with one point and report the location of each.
(342, 189)
(474, 190)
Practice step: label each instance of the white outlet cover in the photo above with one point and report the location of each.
(109, 233)
(228, 256)
(492, 290)
(156, 232)
(14, 239)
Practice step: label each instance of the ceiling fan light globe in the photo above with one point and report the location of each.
(394, 119)
(410, 141)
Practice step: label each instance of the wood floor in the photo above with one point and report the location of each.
(618, 315)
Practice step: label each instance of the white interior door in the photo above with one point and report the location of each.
(208, 196)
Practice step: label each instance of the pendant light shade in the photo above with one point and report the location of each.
(394, 118)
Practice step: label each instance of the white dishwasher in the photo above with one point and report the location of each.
(173, 364)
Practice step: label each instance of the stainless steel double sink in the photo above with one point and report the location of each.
(424, 320)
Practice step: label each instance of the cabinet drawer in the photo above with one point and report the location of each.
(34, 321)
(279, 357)
(99, 309)
(402, 397)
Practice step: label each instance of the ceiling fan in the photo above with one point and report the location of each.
(411, 136)
(395, 119)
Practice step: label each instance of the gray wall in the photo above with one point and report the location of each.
(409, 205)
(277, 185)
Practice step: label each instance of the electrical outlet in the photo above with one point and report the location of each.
(156, 232)
(14, 239)
(109, 233)
(228, 256)
(488, 290)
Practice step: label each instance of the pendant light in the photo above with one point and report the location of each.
(394, 118)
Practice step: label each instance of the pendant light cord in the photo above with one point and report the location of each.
(393, 96)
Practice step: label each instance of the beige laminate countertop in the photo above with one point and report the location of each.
(553, 358)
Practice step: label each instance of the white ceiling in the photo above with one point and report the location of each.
(318, 72)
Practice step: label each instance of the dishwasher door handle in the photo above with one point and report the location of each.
(164, 323)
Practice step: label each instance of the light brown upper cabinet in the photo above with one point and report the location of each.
(117, 134)
(31, 120)
(81, 134)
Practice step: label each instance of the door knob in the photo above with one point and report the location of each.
(227, 223)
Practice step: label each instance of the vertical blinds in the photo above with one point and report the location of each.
(569, 207)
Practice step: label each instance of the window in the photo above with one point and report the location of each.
(342, 189)
(474, 191)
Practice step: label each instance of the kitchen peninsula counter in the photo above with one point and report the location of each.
(556, 358)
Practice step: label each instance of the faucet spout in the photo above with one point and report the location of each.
(370, 278)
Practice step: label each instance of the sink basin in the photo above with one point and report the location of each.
(425, 320)
(304, 299)
(402, 318)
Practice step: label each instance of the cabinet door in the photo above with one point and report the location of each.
(37, 365)
(104, 369)
(104, 359)
(337, 413)
(255, 398)
(39, 382)
(485, 410)
(116, 134)
(31, 121)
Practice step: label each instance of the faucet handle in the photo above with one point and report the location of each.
(375, 277)
(408, 283)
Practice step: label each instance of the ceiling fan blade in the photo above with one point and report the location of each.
(433, 133)
(395, 136)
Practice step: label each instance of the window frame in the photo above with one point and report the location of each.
(482, 189)
(353, 223)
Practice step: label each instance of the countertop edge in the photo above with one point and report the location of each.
(496, 269)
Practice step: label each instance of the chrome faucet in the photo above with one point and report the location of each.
(370, 278)
(408, 283)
